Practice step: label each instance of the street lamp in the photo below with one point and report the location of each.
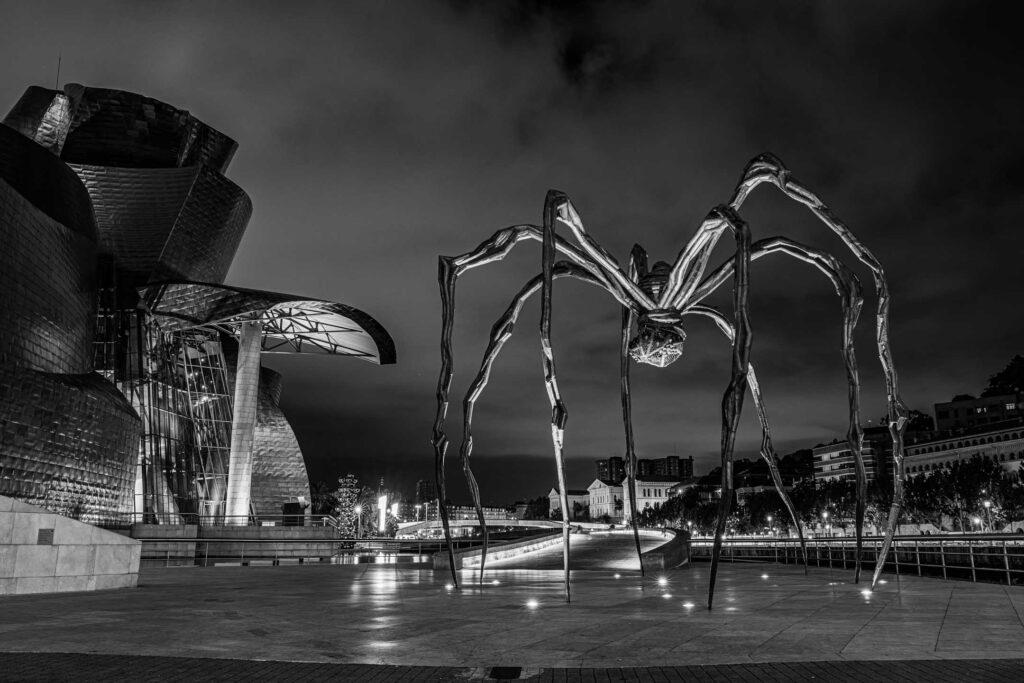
(976, 520)
(988, 518)
(359, 518)
(770, 526)
(417, 506)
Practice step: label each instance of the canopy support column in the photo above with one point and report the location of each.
(243, 422)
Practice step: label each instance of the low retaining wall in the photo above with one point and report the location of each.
(237, 543)
(43, 552)
(178, 550)
(471, 556)
(668, 555)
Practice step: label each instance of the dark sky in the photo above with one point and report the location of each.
(376, 135)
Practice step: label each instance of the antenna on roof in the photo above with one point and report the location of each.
(56, 85)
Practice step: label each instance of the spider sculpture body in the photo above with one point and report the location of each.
(655, 301)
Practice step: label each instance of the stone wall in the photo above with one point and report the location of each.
(43, 552)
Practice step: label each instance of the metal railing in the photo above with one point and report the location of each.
(126, 521)
(254, 552)
(995, 558)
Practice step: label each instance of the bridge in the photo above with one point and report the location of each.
(416, 527)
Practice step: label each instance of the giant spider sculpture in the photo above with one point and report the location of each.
(656, 300)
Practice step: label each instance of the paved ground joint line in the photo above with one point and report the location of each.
(938, 636)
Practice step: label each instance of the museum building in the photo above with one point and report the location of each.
(131, 387)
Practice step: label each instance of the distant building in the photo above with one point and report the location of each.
(605, 499)
(575, 496)
(969, 412)
(670, 466)
(425, 491)
(1004, 444)
(834, 461)
(469, 512)
(651, 490)
(614, 468)
(611, 469)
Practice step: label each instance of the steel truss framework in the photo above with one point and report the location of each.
(656, 300)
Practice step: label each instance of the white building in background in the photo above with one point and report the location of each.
(578, 501)
(834, 461)
(1004, 446)
(651, 490)
(605, 499)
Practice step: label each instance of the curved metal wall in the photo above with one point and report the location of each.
(102, 127)
(67, 443)
(278, 469)
(48, 316)
(68, 438)
(166, 224)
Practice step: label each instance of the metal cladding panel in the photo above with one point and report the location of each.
(207, 232)
(67, 443)
(118, 128)
(278, 469)
(182, 223)
(46, 182)
(43, 116)
(47, 276)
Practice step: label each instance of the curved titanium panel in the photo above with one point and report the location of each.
(43, 116)
(47, 274)
(158, 224)
(102, 127)
(46, 182)
(68, 443)
(278, 469)
(290, 323)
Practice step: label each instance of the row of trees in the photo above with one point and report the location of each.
(952, 497)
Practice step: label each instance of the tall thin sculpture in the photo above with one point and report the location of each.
(656, 300)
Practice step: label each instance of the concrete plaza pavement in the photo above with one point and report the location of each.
(406, 616)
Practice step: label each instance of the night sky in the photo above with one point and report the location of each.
(374, 136)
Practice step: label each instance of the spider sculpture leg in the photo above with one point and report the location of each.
(732, 402)
(490, 250)
(637, 266)
(552, 204)
(847, 286)
(767, 448)
(501, 332)
(691, 262)
(769, 168)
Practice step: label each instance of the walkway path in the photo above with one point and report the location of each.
(595, 551)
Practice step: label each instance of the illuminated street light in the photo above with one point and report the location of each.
(976, 520)
(988, 518)
(418, 506)
(359, 517)
(770, 525)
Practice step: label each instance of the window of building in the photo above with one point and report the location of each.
(1011, 406)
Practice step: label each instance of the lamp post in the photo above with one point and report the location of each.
(417, 506)
(770, 526)
(976, 521)
(988, 518)
(824, 520)
(359, 519)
